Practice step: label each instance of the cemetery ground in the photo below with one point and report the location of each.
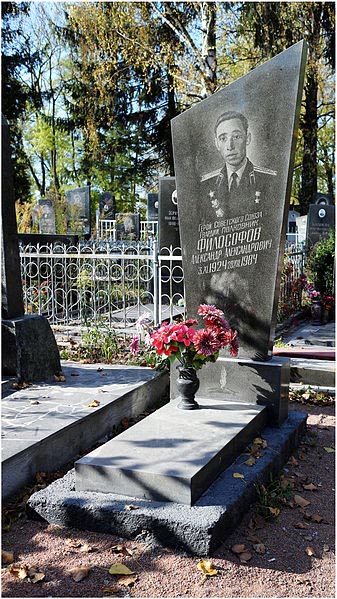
(284, 546)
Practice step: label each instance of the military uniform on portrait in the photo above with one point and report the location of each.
(253, 192)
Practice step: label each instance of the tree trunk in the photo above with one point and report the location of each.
(209, 47)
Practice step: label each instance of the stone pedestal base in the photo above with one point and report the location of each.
(263, 383)
(29, 349)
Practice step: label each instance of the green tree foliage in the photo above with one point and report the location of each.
(14, 93)
(275, 26)
(321, 265)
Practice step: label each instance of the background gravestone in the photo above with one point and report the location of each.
(171, 272)
(78, 211)
(233, 250)
(127, 226)
(321, 219)
(29, 349)
(323, 198)
(168, 213)
(152, 206)
(301, 225)
(107, 206)
(46, 217)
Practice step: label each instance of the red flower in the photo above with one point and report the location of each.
(234, 345)
(205, 310)
(216, 321)
(206, 342)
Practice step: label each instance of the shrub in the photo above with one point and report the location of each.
(320, 265)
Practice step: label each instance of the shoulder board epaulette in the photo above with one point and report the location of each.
(210, 175)
(266, 171)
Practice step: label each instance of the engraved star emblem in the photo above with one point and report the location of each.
(257, 200)
(211, 194)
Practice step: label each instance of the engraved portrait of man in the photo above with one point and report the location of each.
(238, 180)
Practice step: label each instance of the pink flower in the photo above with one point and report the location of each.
(206, 342)
(234, 345)
(216, 321)
(134, 345)
(205, 310)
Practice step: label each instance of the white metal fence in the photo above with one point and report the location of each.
(102, 281)
(106, 229)
(115, 283)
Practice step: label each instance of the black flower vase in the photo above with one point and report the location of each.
(316, 312)
(187, 385)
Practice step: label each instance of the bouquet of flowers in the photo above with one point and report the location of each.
(191, 347)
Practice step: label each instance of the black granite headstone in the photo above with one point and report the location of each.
(46, 217)
(127, 226)
(233, 227)
(321, 219)
(323, 198)
(78, 210)
(107, 206)
(152, 206)
(168, 213)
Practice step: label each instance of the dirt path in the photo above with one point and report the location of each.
(292, 555)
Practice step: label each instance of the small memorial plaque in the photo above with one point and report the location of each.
(233, 156)
(46, 217)
(152, 206)
(168, 213)
(321, 219)
(107, 206)
(127, 227)
(78, 210)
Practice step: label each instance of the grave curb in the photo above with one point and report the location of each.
(199, 529)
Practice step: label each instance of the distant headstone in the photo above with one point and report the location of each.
(291, 227)
(107, 206)
(46, 217)
(29, 349)
(168, 213)
(78, 210)
(152, 206)
(233, 155)
(321, 219)
(301, 225)
(127, 226)
(323, 198)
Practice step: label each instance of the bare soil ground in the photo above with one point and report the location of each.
(291, 555)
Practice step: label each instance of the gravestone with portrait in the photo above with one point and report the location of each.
(127, 226)
(321, 220)
(107, 206)
(233, 156)
(169, 241)
(29, 349)
(47, 217)
(78, 211)
(152, 206)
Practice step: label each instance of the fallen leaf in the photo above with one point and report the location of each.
(131, 507)
(120, 569)
(72, 543)
(257, 522)
(238, 548)
(245, 557)
(316, 518)
(326, 548)
(20, 572)
(329, 449)
(86, 548)
(301, 501)
(310, 487)
(35, 575)
(238, 475)
(292, 461)
(112, 590)
(34, 402)
(206, 567)
(127, 581)
(260, 548)
(253, 538)
(251, 461)
(302, 525)
(79, 573)
(121, 549)
(302, 580)
(93, 404)
(60, 378)
(7, 557)
(275, 511)
(310, 551)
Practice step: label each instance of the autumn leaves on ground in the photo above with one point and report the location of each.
(284, 546)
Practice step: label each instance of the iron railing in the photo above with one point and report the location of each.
(116, 283)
